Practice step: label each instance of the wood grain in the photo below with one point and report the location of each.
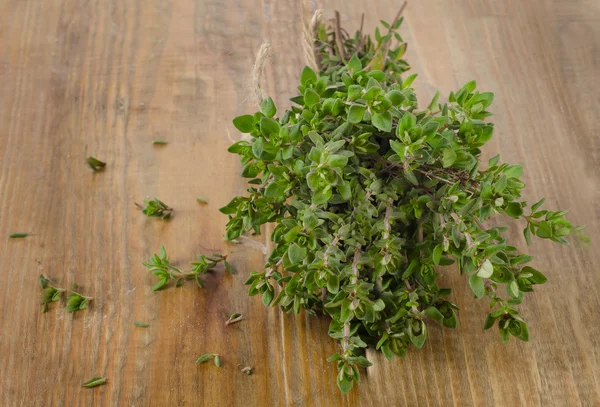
(114, 75)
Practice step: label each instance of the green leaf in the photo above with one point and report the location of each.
(160, 284)
(321, 197)
(95, 382)
(448, 157)
(514, 171)
(204, 358)
(434, 313)
(19, 235)
(268, 127)
(486, 270)
(43, 281)
(244, 123)
(434, 102)
(523, 333)
(354, 92)
(311, 97)
(512, 289)
(409, 80)
(418, 340)
(267, 297)
(477, 285)
(544, 230)
(407, 122)
(296, 253)
(345, 385)
(437, 254)
(514, 209)
(537, 277)
(275, 190)
(258, 147)
(383, 121)
(489, 322)
(307, 76)
(338, 161)
(356, 113)
(333, 284)
(494, 160)
(95, 164)
(140, 324)
(267, 107)
(354, 64)
(536, 205)
(527, 234)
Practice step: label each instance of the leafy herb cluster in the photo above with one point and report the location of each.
(51, 293)
(370, 195)
(157, 208)
(161, 267)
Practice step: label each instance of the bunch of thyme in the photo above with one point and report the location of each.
(371, 195)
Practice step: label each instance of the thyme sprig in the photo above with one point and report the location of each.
(160, 266)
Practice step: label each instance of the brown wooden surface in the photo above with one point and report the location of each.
(115, 74)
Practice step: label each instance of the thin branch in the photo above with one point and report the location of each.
(386, 236)
(355, 272)
(476, 219)
(386, 45)
(362, 37)
(338, 37)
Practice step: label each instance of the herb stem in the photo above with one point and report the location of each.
(386, 235)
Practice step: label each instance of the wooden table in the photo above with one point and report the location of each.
(114, 75)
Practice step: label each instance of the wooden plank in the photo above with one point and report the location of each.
(114, 75)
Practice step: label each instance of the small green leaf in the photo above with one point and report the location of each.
(434, 313)
(437, 254)
(448, 157)
(95, 164)
(345, 385)
(140, 324)
(307, 76)
(395, 97)
(477, 285)
(204, 358)
(296, 253)
(383, 121)
(201, 200)
(537, 277)
(489, 322)
(338, 161)
(409, 80)
(267, 107)
(159, 142)
(268, 127)
(513, 289)
(311, 97)
(354, 64)
(244, 123)
(95, 382)
(514, 171)
(418, 340)
(19, 235)
(486, 270)
(267, 297)
(514, 209)
(536, 205)
(333, 284)
(356, 113)
(275, 190)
